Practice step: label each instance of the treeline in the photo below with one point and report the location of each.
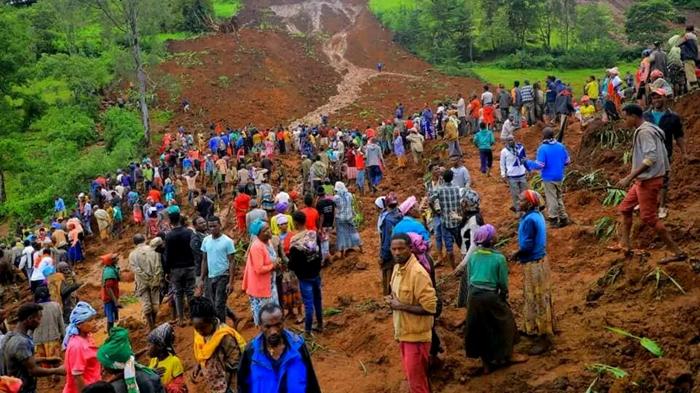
(527, 33)
(60, 62)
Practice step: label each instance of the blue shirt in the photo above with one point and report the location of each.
(390, 220)
(214, 144)
(217, 251)
(410, 224)
(656, 116)
(59, 205)
(552, 159)
(532, 237)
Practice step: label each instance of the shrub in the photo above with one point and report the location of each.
(66, 124)
(524, 59)
(121, 124)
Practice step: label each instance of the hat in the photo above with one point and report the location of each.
(660, 92)
(282, 219)
(156, 242)
(379, 202)
(407, 205)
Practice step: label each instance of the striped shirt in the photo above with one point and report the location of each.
(527, 94)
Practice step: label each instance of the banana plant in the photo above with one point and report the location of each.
(614, 197)
(645, 342)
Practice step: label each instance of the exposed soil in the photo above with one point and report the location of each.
(275, 79)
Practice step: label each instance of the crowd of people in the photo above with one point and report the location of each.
(207, 211)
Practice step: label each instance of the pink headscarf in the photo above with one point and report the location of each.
(485, 233)
(406, 205)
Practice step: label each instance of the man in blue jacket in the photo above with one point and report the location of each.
(386, 227)
(552, 159)
(277, 359)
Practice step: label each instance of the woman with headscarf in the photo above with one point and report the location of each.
(281, 209)
(347, 236)
(537, 287)
(118, 362)
(410, 220)
(471, 220)
(217, 349)
(82, 367)
(490, 330)
(258, 275)
(161, 349)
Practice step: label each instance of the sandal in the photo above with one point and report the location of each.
(674, 258)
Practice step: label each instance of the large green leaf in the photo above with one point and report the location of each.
(651, 346)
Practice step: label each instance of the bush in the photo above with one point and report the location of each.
(585, 58)
(66, 124)
(121, 125)
(524, 59)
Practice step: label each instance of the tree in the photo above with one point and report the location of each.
(594, 24)
(126, 16)
(522, 17)
(645, 21)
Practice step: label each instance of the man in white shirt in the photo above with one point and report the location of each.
(486, 97)
(462, 115)
(513, 170)
(282, 196)
(26, 261)
(508, 128)
(461, 177)
(46, 265)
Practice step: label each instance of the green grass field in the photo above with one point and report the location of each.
(379, 6)
(226, 8)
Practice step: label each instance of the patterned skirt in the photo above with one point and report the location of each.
(256, 303)
(346, 236)
(538, 312)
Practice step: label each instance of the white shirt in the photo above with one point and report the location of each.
(461, 109)
(282, 197)
(26, 259)
(507, 129)
(461, 177)
(487, 98)
(38, 273)
(510, 165)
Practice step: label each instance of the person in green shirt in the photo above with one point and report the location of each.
(490, 330)
(484, 141)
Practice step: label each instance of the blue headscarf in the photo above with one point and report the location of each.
(81, 313)
(255, 227)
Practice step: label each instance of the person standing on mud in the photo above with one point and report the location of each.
(148, 273)
(445, 201)
(538, 311)
(413, 301)
(179, 264)
(672, 126)
(649, 166)
(386, 260)
(552, 160)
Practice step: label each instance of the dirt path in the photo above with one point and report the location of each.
(335, 48)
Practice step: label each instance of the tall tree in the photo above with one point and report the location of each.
(522, 17)
(594, 24)
(645, 21)
(129, 17)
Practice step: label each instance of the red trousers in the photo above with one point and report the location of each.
(415, 358)
(240, 219)
(644, 193)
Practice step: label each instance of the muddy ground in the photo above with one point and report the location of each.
(275, 77)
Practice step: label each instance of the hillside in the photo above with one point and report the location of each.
(295, 60)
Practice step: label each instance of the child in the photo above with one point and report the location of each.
(399, 150)
(484, 141)
(163, 360)
(110, 288)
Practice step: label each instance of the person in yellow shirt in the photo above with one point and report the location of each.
(586, 112)
(413, 301)
(161, 349)
(591, 89)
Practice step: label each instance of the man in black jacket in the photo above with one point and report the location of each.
(179, 264)
(305, 261)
